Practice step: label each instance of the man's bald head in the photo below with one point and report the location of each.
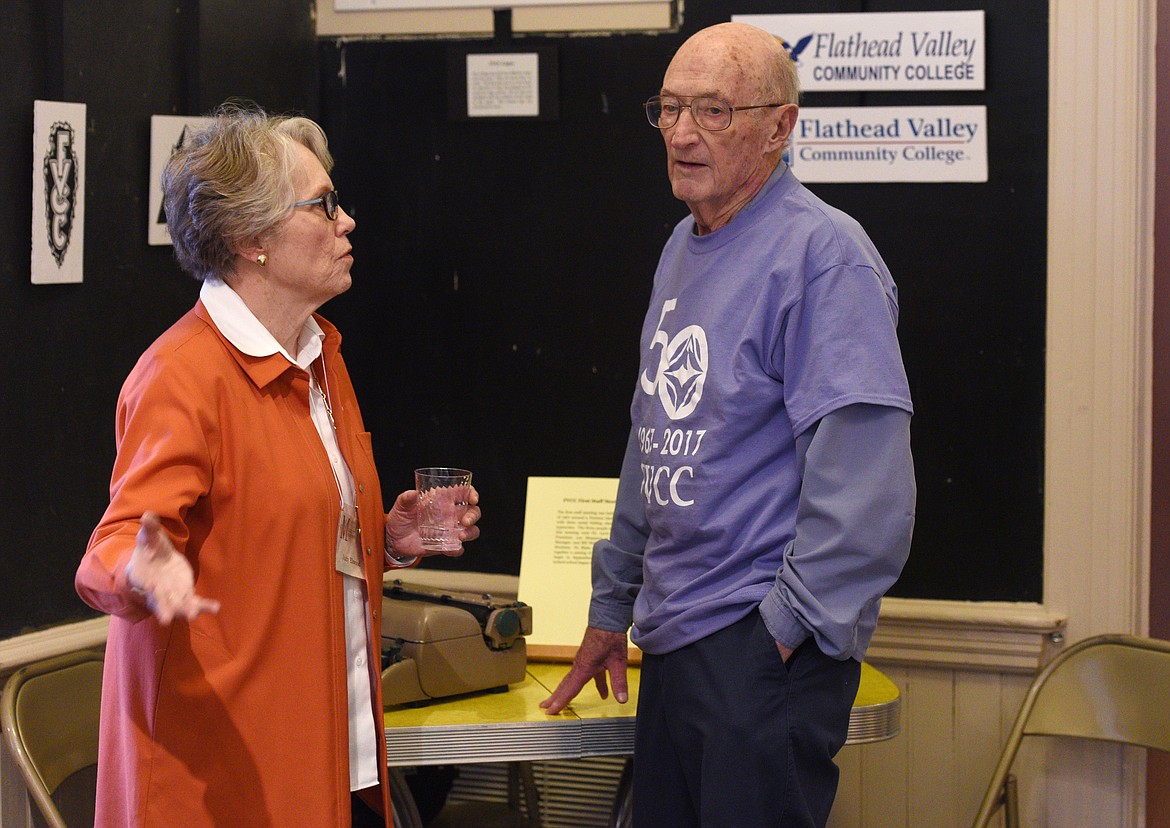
(755, 56)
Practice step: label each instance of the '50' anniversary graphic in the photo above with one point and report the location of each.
(678, 382)
(682, 367)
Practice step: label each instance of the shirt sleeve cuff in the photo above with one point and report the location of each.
(612, 619)
(781, 623)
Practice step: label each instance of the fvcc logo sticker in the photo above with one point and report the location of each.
(60, 188)
(57, 246)
(678, 383)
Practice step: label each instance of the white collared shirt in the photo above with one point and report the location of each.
(241, 328)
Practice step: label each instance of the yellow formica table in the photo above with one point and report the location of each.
(511, 726)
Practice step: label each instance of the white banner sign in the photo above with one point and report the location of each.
(168, 133)
(58, 192)
(904, 143)
(881, 50)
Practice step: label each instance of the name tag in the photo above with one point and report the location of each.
(349, 560)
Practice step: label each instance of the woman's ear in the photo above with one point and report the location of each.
(252, 250)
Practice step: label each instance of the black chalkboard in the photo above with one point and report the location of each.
(502, 269)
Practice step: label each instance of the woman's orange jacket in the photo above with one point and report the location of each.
(237, 718)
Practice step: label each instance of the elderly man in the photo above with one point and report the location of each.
(766, 500)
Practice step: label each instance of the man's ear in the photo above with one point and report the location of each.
(785, 124)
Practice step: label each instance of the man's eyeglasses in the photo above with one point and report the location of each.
(328, 203)
(711, 114)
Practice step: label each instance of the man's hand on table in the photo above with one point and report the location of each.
(601, 651)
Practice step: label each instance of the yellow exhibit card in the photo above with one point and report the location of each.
(563, 518)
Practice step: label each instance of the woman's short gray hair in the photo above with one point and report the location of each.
(232, 181)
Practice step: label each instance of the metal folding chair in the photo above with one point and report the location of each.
(1110, 687)
(50, 714)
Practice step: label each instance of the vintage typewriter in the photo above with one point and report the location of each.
(439, 643)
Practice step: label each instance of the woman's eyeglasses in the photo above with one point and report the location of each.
(328, 203)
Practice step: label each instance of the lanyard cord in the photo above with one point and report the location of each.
(315, 385)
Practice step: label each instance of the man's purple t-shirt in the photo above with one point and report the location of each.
(753, 334)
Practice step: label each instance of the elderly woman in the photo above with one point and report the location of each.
(242, 553)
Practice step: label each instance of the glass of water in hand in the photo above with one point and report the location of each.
(443, 497)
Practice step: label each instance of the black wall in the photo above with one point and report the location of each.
(502, 269)
(67, 348)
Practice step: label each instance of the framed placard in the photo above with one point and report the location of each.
(502, 83)
(407, 5)
(466, 19)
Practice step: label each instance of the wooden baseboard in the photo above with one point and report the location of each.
(25, 649)
(988, 636)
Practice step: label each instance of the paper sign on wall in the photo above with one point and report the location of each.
(903, 144)
(881, 50)
(168, 133)
(58, 192)
(503, 84)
